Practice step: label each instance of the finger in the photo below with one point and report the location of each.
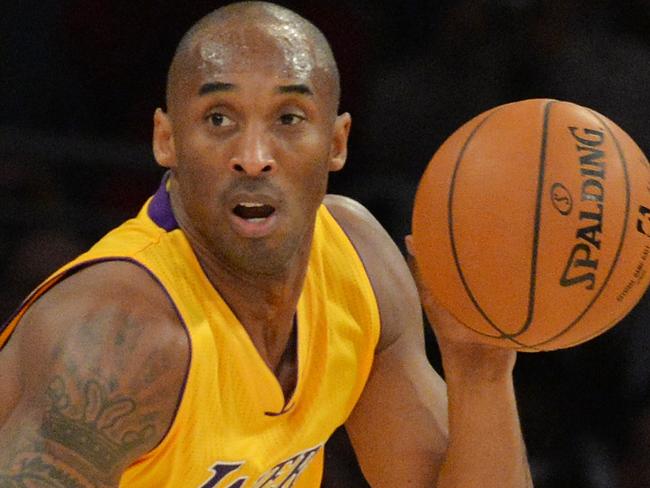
(411, 261)
(408, 241)
(425, 295)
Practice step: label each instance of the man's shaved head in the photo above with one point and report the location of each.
(231, 37)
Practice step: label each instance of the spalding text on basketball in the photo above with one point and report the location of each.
(582, 263)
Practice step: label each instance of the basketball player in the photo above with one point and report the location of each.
(221, 336)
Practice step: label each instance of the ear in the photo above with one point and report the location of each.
(339, 147)
(163, 139)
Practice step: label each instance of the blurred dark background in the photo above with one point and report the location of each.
(79, 81)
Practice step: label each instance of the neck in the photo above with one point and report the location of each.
(262, 290)
(259, 297)
(265, 304)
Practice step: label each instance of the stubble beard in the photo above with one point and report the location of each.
(260, 258)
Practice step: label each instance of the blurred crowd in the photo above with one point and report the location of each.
(80, 81)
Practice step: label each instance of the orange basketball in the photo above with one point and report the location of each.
(531, 224)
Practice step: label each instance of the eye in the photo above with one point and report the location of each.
(220, 120)
(291, 119)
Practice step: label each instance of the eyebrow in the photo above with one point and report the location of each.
(215, 86)
(300, 89)
(220, 86)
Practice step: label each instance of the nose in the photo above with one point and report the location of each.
(253, 156)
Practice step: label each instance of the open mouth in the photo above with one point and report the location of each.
(252, 211)
(255, 216)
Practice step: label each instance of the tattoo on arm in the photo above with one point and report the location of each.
(36, 472)
(105, 389)
(92, 433)
(90, 428)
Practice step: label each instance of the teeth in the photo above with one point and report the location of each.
(253, 211)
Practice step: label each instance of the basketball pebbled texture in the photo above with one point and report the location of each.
(531, 224)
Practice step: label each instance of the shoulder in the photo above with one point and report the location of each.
(359, 224)
(113, 356)
(108, 305)
(392, 282)
(107, 297)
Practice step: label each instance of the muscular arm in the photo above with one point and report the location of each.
(409, 428)
(101, 358)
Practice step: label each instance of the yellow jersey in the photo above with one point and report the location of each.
(233, 428)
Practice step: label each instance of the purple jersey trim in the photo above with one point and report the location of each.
(363, 263)
(74, 269)
(160, 208)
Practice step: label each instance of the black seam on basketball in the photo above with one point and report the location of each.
(502, 334)
(450, 223)
(537, 222)
(536, 230)
(623, 161)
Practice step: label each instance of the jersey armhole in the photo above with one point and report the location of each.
(376, 315)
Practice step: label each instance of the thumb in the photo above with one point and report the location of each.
(408, 242)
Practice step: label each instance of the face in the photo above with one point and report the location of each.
(250, 140)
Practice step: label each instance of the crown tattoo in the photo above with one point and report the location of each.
(88, 433)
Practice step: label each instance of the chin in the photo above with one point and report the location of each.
(260, 257)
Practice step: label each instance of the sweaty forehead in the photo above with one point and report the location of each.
(280, 47)
(254, 37)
